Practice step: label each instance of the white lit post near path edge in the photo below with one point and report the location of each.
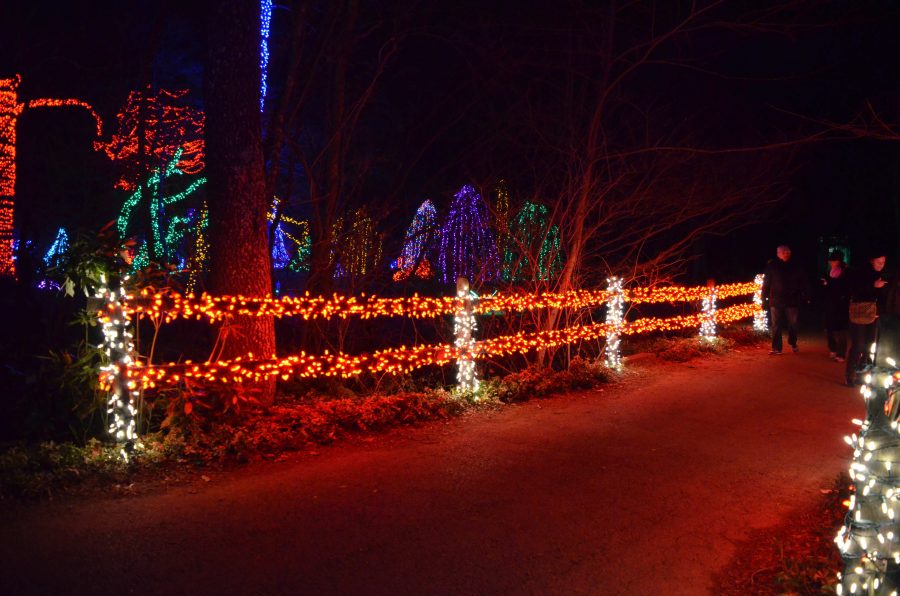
(760, 322)
(464, 329)
(708, 326)
(118, 347)
(615, 311)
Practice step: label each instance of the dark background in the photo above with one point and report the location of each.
(462, 72)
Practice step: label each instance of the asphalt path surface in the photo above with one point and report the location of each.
(643, 487)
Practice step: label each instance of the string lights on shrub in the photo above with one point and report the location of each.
(467, 243)
(10, 110)
(615, 313)
(760, 322)
(531, 236)
(418, 244)
(869, 541)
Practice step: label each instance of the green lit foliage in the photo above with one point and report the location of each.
(169, 246)
(532, 248)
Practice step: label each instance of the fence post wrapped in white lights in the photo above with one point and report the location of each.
(869, 541)
(708, 326)
(615, 312)
(464, 329)
(118, 347)
(760, 322)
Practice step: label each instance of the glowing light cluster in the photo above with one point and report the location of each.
(152, 127)
(760, 322)
(200, 253)
(464, 327)
(869, 541)
(418, 244)
(615, 313)
(708, 316)
(118, 347)
(467, 243)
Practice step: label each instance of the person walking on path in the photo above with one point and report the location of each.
(784, 289)
(836, 306)
(868, 300)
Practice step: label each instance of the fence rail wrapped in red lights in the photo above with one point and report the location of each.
(403, 359)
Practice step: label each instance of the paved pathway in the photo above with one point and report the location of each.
(640, 488)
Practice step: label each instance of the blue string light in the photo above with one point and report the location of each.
(265, 21)
(59, 248)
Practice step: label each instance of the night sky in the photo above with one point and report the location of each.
(474, 93)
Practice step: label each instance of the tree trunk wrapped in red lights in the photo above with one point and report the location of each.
(239, 255)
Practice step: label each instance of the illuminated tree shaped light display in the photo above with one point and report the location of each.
(10, 110)
(531, 236)
(161, 246)
(869, 541)
(280, 256)
(418, 244)
(58, 249)
(152, 128)
(357, 246)
(200, 253)
(467, 244)
(299, 237)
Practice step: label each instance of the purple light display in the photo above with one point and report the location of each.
(467, 243)
(420, 237)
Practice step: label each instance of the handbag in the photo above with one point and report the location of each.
(863, 313)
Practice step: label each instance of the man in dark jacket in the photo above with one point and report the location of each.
(784, 290)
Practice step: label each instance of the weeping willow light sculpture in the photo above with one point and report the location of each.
(468, 248)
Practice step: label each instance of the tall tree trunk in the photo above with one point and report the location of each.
(239, 252)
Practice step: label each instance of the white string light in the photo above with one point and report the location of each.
(708, 326)
(464, 328)
(760, 322)
(118, 346)
(615, 310)
(869, 540)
